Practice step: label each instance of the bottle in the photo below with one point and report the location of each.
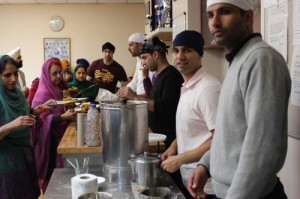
(93, 135)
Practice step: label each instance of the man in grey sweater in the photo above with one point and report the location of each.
(250, 141)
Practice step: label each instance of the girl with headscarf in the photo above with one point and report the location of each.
(85, 88)
(18, 177)
(47, 134)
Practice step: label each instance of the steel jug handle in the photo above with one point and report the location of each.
(132, 165)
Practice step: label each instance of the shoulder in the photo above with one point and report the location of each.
(172, 71)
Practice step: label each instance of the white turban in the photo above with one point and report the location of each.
(137, 37)
(15, 53)
(243, 4)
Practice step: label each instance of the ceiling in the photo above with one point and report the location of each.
(67, 1)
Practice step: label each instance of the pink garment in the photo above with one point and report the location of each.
(46, 136)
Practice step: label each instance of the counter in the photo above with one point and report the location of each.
(60, 184)
(68, 144)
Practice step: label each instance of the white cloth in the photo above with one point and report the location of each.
(196, 116)
(136, 84)
(105, 95)
(15, 53)
(243, 4)
(137, 37)
(21, 80)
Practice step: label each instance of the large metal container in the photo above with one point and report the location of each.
(124, 131)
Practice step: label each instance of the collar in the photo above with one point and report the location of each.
(195, 78)
(230, 56)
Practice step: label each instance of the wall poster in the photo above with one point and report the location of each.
(57, 47)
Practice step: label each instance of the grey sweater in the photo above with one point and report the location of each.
(250, 140)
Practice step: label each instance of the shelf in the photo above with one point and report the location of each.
(164, 34)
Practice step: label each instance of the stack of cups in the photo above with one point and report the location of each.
(81, 121)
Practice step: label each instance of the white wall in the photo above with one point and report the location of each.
(87, 25)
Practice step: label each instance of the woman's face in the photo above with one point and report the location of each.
(80, 74)
(10, 76)
(55, 74)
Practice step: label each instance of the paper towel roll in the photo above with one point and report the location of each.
(82, 184)
(81, 120)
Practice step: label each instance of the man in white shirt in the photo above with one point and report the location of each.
(16, 55)
(196, 111)
(135, 42)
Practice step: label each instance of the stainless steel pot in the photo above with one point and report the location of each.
(145, 170)
(124, 131)
(156, 193)
(99, 195)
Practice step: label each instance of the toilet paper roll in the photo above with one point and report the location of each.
(81, 120)
(82, 184)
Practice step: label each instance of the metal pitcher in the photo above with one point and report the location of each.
(124, 130)
(145, 170)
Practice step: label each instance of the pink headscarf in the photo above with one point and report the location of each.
(47, 90)
(41, 132)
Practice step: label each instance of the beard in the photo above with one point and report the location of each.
(19, 64)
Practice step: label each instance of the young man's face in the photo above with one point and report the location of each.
(227, 24)
(187, 60)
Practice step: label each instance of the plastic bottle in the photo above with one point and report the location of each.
(93, 136)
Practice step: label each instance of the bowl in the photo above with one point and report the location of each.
(99, 195)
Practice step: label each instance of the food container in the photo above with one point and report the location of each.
(99, 195)
(156, 193)
(145, 170)
(124, 130)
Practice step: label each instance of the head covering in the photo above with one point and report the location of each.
(64, 64)
(243, 4)
(154, 44)
(15, 53)
(137, 38)
(47, 90)
(109, 46)
(87, 88)
(83, 62)
(191, 39)
(13, 104)
(41, 134)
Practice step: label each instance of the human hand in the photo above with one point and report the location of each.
(21, 121)
(126, 92)
(47, 105)
(197, 181)
(145, 71)
(171, 164)
(25, 90)
(169, 152)
(68, 115)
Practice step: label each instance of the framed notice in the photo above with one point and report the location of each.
(57, 47)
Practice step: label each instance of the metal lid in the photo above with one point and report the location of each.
(120, 104)
(146, 159)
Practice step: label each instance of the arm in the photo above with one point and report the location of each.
(172, 150)
(17, 123)
(173, 163)
(126, 92)
(133, 83)
(89, 78)
(197, 182)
